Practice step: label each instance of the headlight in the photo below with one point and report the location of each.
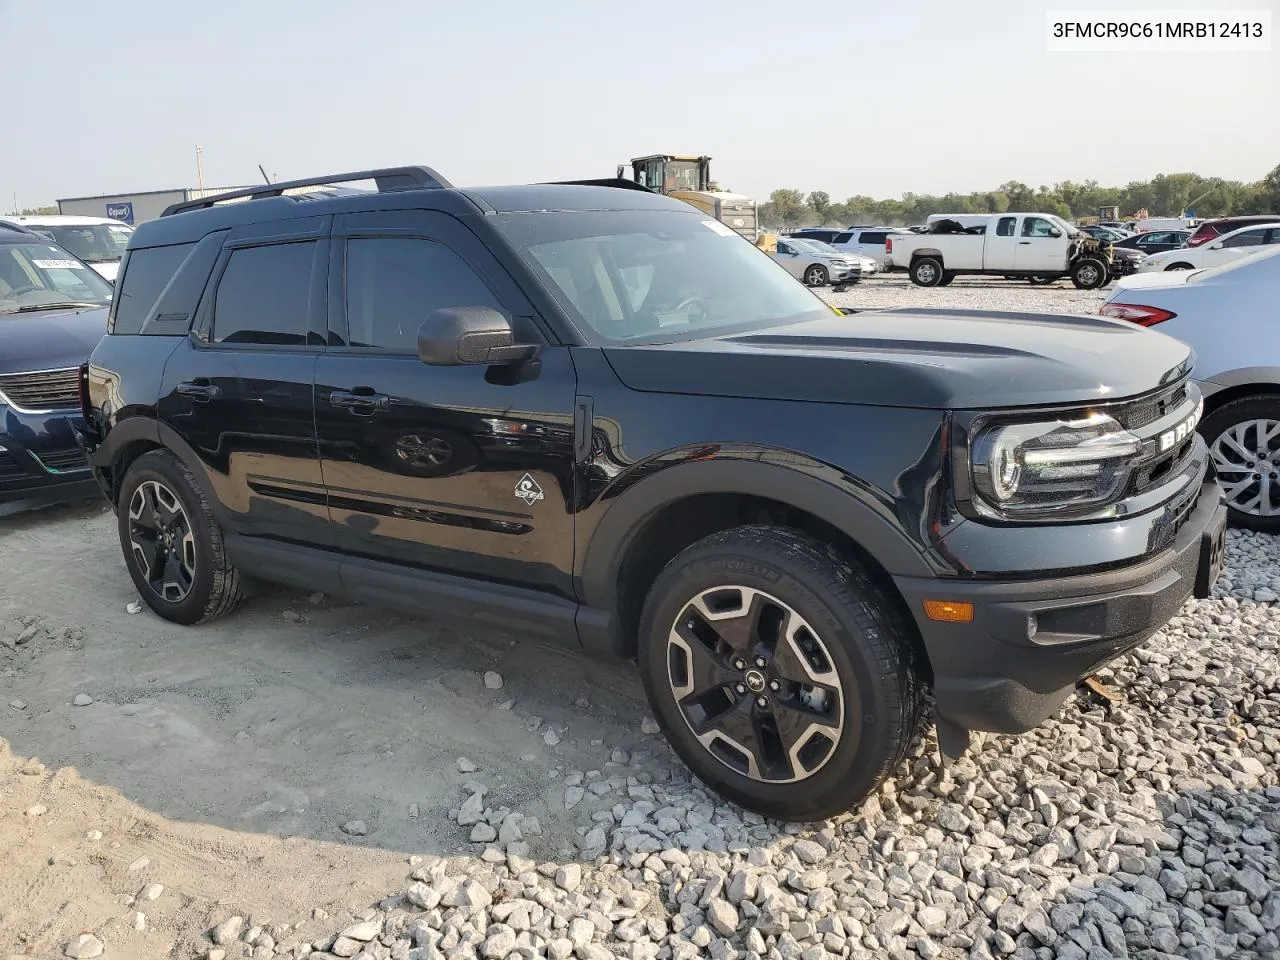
(1051, 467)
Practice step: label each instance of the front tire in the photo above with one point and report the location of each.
(780, 672)
(816, 276)
(926, 272)
(172, 544)
(1237, 432)
(947, 277)
(1179, 266)
(1090, 274)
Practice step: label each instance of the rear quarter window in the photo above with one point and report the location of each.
(143, 277)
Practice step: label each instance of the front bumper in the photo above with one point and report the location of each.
(41, 461)
(1029, 642)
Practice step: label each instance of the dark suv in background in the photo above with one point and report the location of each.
(593, 414)
(53, 310)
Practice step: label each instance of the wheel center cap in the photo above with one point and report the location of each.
(755, 681)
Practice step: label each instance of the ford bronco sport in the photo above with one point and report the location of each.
(591, 413)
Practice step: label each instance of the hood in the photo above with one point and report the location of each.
(49, 340)
(929, 359)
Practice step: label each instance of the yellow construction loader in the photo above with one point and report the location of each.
(688, 178)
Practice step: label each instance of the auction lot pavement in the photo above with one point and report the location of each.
(293, 764)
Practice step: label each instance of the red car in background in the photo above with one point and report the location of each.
(1216, 228)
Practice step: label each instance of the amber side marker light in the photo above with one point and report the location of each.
(948, 611)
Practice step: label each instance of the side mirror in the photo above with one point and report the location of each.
(1216, 246)
(1055, 232)
(470, 335)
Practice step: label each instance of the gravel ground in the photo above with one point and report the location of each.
(984, 293)
(313, 778)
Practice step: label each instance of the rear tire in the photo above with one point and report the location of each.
(816, 276)
(1236, 432)
(172, 544)
(926, 272)
(827, 710)
(1179, 266)
(1090, 274)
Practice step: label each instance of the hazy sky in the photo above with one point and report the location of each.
(857, 97)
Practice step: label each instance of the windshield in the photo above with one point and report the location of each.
(656, 276)
(818, 247)
(37, 274)
(94, 243)
(681, 175)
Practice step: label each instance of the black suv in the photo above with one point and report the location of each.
(591, 413)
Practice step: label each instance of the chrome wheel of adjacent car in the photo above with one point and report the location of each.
(755, 684)
(424, 451)
(162, 541)
(1247, 458)
(815, 276)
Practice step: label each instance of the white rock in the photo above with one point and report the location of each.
(493, 680)
(483, 833)
(151, 892)
(82, 700)
(84, 947)
(649, 726)
(466, 766)
(133, 607)
(569, 877)
(228, 931)
(355, 828)
(364, 932)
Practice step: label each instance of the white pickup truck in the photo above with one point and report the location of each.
(1039, 247)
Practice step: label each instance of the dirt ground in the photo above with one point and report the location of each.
(229, 756)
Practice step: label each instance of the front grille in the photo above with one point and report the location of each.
(63, 461)
(45, 390)
(1142, 412)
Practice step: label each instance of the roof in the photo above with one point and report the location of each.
(58, 220)
(185, 226)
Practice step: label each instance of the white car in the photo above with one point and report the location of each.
(869, 242)
(816, 264)
(1228, 316)
(97, 241)
(1232, 246)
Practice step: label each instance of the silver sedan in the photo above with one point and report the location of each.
(816, 264)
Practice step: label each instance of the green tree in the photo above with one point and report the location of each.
(1269, 191)
(820, 203)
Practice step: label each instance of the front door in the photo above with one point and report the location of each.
(1038, 248)
(458, 469)
(238, 390)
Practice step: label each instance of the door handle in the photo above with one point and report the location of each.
(1024, 243)
(359, 402)
(200, 390)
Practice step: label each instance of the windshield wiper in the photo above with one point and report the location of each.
(36, 307)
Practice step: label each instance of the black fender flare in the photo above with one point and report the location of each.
(848, 508)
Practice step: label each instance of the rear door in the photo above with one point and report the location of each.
(238, 391)
(461, 469)
(1000, 250)
(1037, 247)
(791, 259)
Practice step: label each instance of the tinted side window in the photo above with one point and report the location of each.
(1251, 238)
(263, 295)
(783, 248)
(872, 236)
(843, 237)
(394, 284)
(144, 275)
(1005, 227)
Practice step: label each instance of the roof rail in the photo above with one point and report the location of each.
(388, 179)
(620, 182)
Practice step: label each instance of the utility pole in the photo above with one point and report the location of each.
(199, 168)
